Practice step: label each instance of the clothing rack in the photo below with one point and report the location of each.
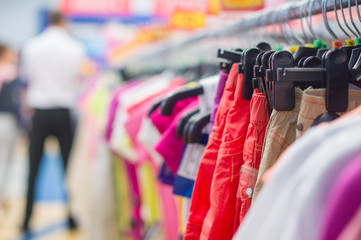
(245, 32)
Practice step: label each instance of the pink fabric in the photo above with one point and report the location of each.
(137, 223)
(162, 122)
(137, 112)
(217, 97)
(352, 230)
(169, 146)
(343, 201)
(170, 214)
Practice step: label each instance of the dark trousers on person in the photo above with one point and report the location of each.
(46, 122)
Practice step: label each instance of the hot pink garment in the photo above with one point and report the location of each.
(352, 230)
(137, 223)
(169, 146)
(169, 208)
(162, 122)
(343, 201)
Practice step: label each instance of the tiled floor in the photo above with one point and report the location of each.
(48, 221)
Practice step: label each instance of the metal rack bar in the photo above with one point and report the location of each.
(251, 21)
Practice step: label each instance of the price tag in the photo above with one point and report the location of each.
(188, 20)
(241, 4)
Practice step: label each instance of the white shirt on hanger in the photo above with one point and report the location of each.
(51, 66)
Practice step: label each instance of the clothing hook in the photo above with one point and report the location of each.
(344, 19)
(325, 20)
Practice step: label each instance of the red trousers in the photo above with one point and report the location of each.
(200, 202)
(219, 220)
(252, 153)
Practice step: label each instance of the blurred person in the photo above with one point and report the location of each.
(51, 65)
(8, 113)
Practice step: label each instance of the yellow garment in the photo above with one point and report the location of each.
(122, 193)
(179, 202)
(149, 195)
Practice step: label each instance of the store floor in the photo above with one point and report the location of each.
(48, 221)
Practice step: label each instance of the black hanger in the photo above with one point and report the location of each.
(303, 51)
(257, 73)
(168, 104)
(265, 64)
(335, 74)
(263, 46)
(246, 65)
(237, 50)
(187, 127)
(183, 121)
(320, 52)
(312, 62)
(154, 107)
(233, 56)
(199, 121)
(300, 63)
(325, 117)
(283, 90)
(355, 59)
(348, 51)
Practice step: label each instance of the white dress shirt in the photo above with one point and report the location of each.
(51, 66)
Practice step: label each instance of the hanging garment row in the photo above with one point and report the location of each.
(246, 153)
(211, 142)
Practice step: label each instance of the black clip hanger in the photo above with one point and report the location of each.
(264, 47)
(303, 51)
(285, 90)
(154, 107)
(320, 52)
(183, 121)
(336, 76)
(348, 51)
(325, 117)
(312, 62)
(300, 63)
(257, 73)
(246, 67)
(237, 50)
(265, 64)
(355, 59)
(194, 134)
(233, 56)
(168, 104)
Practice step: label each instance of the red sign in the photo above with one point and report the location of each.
(95, 7)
